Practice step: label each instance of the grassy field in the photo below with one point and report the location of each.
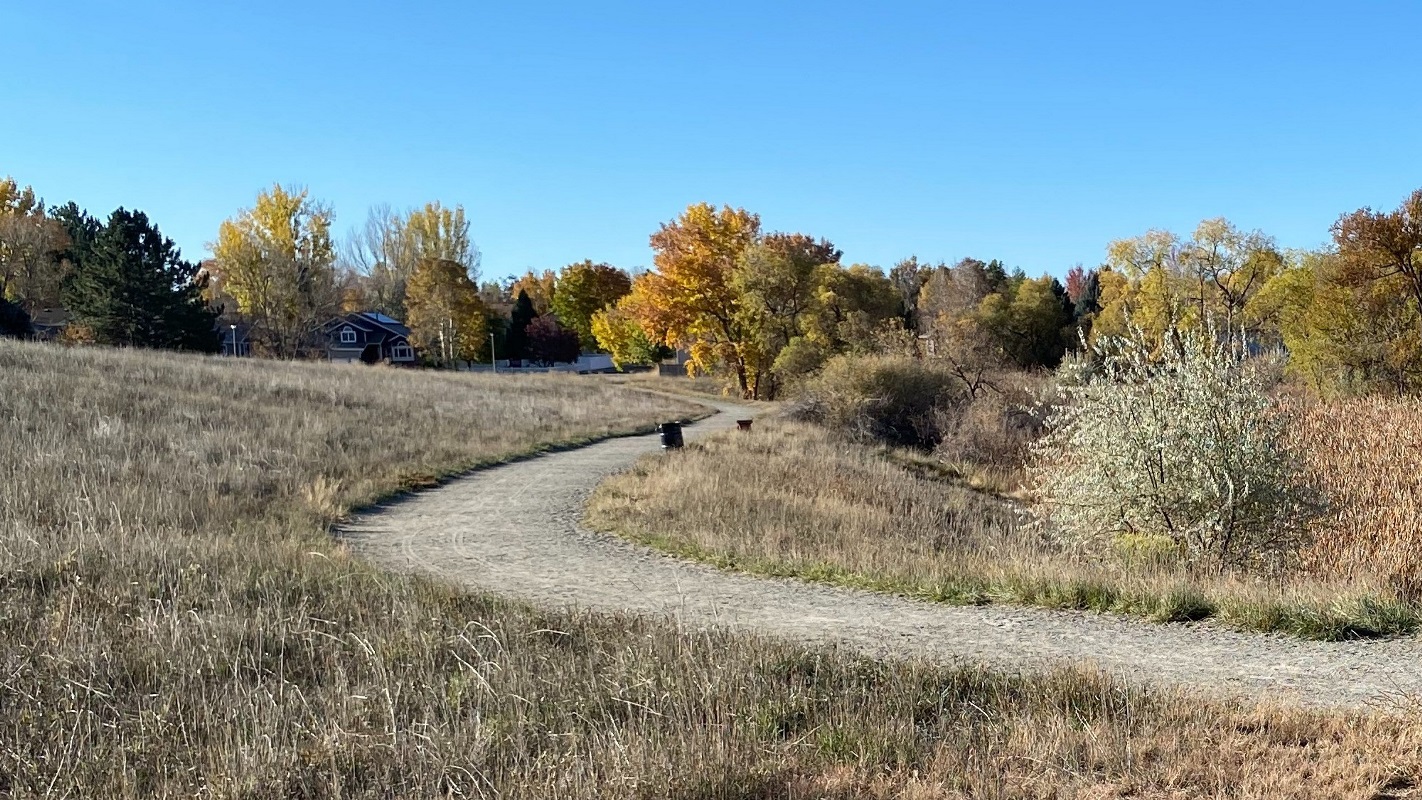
(796, 500)
(175, 621)
(164, 561)
(700, 386)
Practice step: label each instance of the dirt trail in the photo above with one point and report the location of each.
(514, 530)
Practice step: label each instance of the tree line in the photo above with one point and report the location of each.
(122, 281)
(279, 266)
(1346, 315)
(764, 309)
(769, 309)
(278, 269)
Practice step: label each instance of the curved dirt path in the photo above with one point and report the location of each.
(514, 530)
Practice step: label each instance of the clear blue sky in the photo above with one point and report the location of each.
(1031, 132)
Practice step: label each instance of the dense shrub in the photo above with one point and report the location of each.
(1181, 442)
(894, 399)
(14, 322)
(994, 431)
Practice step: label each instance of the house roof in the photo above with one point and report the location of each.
(49, 318)
(370, 321)
(395, 326)
(377, 327)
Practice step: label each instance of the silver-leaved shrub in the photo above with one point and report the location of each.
(1178, 443)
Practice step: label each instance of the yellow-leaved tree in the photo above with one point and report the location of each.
(391, 245)
(1158, 282)
(447, 320)
(277, 262)
(619, 333)
(1343, 336)
(582, 290)
(436, 232)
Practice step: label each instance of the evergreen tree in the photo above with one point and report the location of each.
(81, 228)
(130, 286)
(1087, 306)
(996, 274)
(1088, 302)
(516, 338)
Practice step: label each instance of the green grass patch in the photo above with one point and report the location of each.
(1360, 617)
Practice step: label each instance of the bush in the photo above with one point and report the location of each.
(993, 432)
(893, 399)
(14, 322)
(1184, 444)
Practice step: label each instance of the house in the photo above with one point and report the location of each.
(236, 338)
(48, 324)
(369, 337)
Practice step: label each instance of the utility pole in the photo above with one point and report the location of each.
(493, 357)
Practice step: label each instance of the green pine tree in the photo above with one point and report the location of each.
(130, 286)
(516, 339)
(81, 228)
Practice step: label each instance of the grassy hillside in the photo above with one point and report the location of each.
(173, 607)
(175, 622)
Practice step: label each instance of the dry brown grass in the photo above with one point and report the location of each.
(1365, 455)
(700, 386)
(175, 622)
(797, 500)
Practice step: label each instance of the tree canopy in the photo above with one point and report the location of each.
(447, 320)
(277, 261)
(132, 287)
(582, 290)
(689, 301)
(32, 243)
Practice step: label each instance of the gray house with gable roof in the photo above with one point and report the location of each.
(368, 337)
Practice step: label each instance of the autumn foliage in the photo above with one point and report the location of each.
(762, 309)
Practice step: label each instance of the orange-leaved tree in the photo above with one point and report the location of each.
(690, 301)
(1383, 247)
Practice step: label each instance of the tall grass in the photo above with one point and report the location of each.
(175, 622)
(797, 500)
(1365, 455)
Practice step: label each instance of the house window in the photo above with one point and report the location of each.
(347, 336)
(401, 352)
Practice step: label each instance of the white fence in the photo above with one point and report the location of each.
(594, 362)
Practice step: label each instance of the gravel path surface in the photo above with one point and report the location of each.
(514, 530)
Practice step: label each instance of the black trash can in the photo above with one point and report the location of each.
(671, 435)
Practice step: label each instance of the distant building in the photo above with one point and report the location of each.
(236, 339)
(675, 365)
(48, 324)
(369, 337)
